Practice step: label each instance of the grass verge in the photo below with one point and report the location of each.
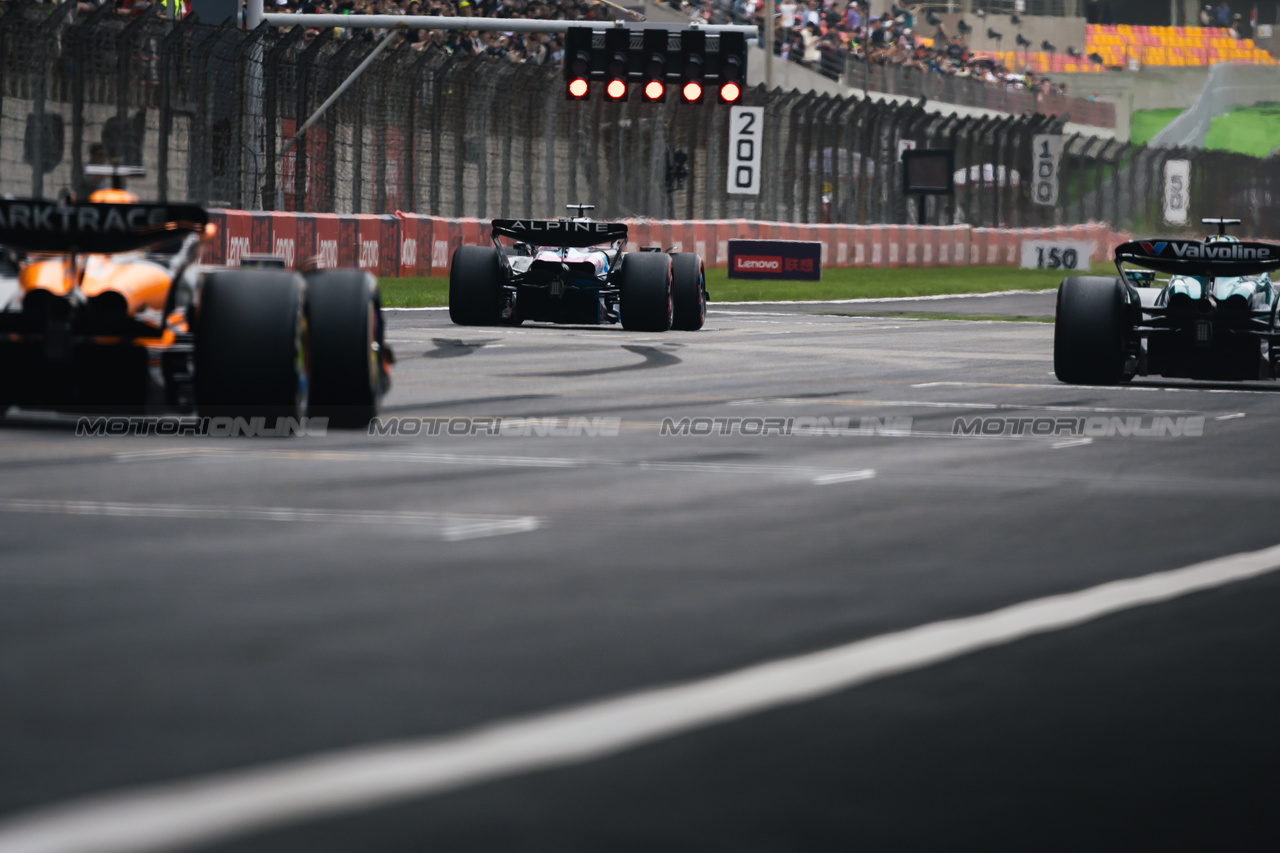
(1254, 131)
(1145, 124)
(847, 283)
(417, 292)
(864, 283)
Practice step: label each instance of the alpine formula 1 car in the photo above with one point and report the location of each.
(573, 270)
(1215, 317)
(111, 312)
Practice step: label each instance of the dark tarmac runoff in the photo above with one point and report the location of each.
(797, 581)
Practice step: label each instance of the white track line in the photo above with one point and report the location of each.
(1060, 386)
(446, 526)
(221, 806)
(482, 461)
(931, 298)
(845, 477)
(712, 305)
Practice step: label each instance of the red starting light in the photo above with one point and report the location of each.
(654, 90)
(616, 89)
(692, 91)
(730, 92)
(578, 88)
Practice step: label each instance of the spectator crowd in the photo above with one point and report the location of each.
(534, 48)
(819, 34)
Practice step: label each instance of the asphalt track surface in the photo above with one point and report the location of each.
(172, 608)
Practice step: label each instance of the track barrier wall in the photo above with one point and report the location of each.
(408, 244)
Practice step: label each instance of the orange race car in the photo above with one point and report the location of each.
(112, 312)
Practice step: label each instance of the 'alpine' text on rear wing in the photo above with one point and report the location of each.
(567, 233)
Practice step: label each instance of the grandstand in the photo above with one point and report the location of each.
(1173, 46)
(1124, 47)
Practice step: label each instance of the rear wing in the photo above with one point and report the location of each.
(1191, 257)
(34, 225)
(563, 233)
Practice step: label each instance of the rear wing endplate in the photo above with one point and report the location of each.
(35, 225)
(565, 233)
(1191, 257)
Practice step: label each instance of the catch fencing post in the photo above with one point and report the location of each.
(11, 19)
(80, 41)
(271, 110)
(302, 73)
(170, 50)
(44, 54)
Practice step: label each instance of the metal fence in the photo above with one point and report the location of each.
(207, 111)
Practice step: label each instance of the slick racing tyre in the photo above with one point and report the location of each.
(688, 292)
(644, 292)
(1089, 331)
(251, 345)
(344, 319)
(475, 286)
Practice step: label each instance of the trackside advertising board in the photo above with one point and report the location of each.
(782, 260)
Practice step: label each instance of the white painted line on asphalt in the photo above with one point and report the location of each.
(1229, 417)
(447, 526)
(1074, 442)
(216, 807)
(430, 308)
(844, 477)
(931, 298)
(1062, 386)
(480, 461)
(1016, 407)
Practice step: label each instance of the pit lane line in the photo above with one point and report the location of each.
(235, 803)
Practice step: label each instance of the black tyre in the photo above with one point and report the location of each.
(251, 345)
(344, 318)
(644, 293)
(1089, 331)
(688, 292)
(475, 286)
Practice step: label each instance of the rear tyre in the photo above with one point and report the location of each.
(475, 286)
(1089, 331)
(344, 316)
(644, 292)
(251, 345)
(688, 291)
